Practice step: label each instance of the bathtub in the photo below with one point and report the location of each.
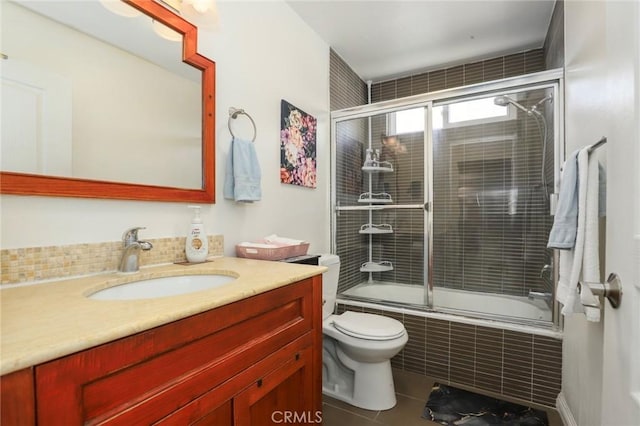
(470, 337)
(495, 306)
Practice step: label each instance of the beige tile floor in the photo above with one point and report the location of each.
(412, 392)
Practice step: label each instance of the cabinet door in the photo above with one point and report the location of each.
(17, 399)
(284, 395)
(214, 407)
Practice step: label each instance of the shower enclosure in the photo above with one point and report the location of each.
(443, 201)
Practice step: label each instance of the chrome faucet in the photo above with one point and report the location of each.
(130, 260)
(540, 295)
(546, 268)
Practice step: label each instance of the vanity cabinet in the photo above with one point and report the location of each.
(234, 365)
(17, 398)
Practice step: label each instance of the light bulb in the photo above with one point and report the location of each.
(200, 6)
(120, 8)
(166, 32)
(201, 13)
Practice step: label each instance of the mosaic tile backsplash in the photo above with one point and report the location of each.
(43, 263)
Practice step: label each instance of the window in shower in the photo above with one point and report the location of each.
(478, 110)
(407, 121)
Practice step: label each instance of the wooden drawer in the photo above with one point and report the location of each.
(156, 372)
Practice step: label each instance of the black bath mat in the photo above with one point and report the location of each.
(452, 407)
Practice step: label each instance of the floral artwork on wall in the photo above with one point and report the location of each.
(297, 146)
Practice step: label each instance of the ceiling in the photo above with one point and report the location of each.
(384, 39)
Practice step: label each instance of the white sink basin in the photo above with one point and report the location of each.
(162, 287)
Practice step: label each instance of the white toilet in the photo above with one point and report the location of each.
(357, 348)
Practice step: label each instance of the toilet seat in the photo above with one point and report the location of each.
(368, 326)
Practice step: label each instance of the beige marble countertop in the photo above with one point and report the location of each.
(44, 321)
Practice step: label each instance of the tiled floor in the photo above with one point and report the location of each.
(412, 392)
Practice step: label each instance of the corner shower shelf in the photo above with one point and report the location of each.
(372, 228)
(377, 166)
(373, 165)
(375, 197)
(376, 266)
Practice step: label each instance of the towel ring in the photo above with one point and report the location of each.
(233, 114)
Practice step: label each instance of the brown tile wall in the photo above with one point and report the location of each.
(42, 263)
(346, 88)
(477, 72)
(518, 365)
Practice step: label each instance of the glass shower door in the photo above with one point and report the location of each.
(492, 176)
(379, 222)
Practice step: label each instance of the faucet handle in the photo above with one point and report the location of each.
(130, 236)
(546, 268)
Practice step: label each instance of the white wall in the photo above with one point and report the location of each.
(621, 358)
(602, 99)
(585, 103)
(263, 53)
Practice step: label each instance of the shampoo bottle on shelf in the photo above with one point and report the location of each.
(197, 246)
(368, 161)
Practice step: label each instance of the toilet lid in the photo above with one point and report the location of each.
(368, 326)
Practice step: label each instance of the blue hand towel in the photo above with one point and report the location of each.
(242, 176)
(565, 221)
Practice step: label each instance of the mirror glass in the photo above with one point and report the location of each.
(94, 95)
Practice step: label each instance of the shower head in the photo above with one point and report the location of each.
(534, 109)
(501, 101)
(505, 100)
(541, 122)
(543, 100)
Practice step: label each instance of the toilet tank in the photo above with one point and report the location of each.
(329, 282)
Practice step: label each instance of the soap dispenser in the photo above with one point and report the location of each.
(197, 245)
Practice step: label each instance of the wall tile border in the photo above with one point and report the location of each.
(43, 263)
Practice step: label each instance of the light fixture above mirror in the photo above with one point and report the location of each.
(202, 13)
(165, 32)
(120, 8)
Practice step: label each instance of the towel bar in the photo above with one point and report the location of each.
(233, 114)
(597, 145)
(612, 290)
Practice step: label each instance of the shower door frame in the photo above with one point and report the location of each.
(546, 79)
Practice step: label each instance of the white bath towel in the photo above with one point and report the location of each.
(572, 261)
(275, 239)
(591, 255)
